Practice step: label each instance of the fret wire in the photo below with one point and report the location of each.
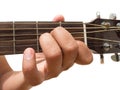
(37, 36)
(85, 34)
(14, 37)
(60, 24)
(73, 32)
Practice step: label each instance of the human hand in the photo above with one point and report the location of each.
(60, 52)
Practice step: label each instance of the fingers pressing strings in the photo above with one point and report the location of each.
(68, 46)
(84, 54)
(52, 54)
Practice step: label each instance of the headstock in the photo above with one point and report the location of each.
(104, 36)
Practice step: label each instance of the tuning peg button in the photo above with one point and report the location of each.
(112, 16)
(118, 46)
(107, 46)
(98, 14)
(116, 57)
(101, 59)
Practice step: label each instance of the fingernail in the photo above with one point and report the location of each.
(28, 54)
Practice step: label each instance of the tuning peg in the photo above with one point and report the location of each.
(101, 59)
(118, 46)
(107, 46)
(98, 14)
(116, 57)
(112, 16)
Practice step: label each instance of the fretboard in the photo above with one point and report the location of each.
(16, 36)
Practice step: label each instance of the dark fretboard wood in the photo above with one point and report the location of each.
(101, 35)
(16, 36)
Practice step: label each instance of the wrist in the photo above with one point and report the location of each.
(14, 80)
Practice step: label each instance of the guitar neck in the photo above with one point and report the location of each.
(16, 36)
(101, 35)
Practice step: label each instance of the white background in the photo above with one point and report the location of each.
(91, 77)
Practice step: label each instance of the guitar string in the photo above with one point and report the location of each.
(34, 45)
(48, 29)
(71, 33)
(52, 23)
(67, 27)
(97, 31)
(103, 27)
(80, 38)
(94, 26)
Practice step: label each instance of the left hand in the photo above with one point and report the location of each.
(60, 52)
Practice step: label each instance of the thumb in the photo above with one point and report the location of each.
(29, 68)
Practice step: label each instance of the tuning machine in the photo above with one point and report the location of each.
(98, 14)
(115, 57)
(107, 46)
(112, 16)
(101, 58)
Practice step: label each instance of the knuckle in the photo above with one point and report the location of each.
(55, 74)
(44, 34)
(57, 30)
(71, 48)
(35, 82)
(54, 55)
(66, 67)
(28, 69)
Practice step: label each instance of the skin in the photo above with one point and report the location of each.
(60, 52)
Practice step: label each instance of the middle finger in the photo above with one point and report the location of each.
(67, 44)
